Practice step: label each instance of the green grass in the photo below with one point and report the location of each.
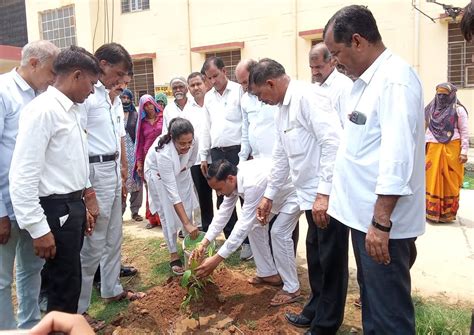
(469, 177)
(233, 261)
(433, 317)
(154, 269)
(156, 274)
(438, 318)
(251, 324)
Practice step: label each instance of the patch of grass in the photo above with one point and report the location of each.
(150, 259)
(236, 297)
(103, 311)
(469, 177)
(251, 324)
(233, 261)
(436, 318)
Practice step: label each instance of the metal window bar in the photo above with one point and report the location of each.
(456, 62)
(59, 26)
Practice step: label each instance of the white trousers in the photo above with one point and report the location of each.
(283, 261)
(170, 222)
(28, 280)
(105, 244)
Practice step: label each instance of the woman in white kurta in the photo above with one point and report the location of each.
(170, 184)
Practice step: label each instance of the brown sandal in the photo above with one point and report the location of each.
(282, 298)
(129, 295)
(95, 324)
(262, 281)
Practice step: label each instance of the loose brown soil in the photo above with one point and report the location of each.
(230, 306)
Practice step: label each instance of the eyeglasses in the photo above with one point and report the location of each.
(184, 145)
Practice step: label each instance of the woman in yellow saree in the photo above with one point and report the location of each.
(447, 143)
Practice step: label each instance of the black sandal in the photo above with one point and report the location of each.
(177, 267)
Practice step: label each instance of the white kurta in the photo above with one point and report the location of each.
(169, 183)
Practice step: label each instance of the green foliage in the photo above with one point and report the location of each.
(251, 324)
(469, 178)
(435, 318)
(191, 282)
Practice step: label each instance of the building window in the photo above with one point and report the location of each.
(230, 59)
(13, 30)
(460, 58)
(134, 5)
(142, 81)
(59, 26)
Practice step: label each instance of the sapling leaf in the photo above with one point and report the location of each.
(185, 280)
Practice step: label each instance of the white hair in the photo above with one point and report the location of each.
(41, 50)
(179, 79)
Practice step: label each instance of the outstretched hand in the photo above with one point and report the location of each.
(208, 265)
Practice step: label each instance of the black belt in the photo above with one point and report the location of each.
(226, 149)
(77, 195)
(103, 158)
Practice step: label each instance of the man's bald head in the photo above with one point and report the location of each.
(242, 71)
(321, 63)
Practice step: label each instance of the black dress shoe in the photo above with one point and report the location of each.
(298, 320)
(127, 271)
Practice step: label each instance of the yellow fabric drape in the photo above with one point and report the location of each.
(444, 176)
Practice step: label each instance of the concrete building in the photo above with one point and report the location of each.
(13, 33)
(173, 37)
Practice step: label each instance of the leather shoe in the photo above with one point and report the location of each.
(298, 320)
(127, 271)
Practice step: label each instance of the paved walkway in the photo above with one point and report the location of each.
(445, 262)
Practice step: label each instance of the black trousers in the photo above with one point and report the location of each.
(327, 257)
(62, 275)
(387, 307)
(232, 155)
(204, 193)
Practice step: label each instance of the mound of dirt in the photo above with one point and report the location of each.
(230, 306)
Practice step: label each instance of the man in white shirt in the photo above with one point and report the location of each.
(222, 129)
(105, 132)
(258, 125)
(379, 182)
(49, 173)
(17, 88)
(249, 182)
(195, 113)
(179, 87)
(325, 74)
(308, 132)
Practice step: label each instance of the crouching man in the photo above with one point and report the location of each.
(249, 181)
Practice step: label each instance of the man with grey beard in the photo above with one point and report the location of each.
(179, 87)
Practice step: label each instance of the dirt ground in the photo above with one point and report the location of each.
(230, 306)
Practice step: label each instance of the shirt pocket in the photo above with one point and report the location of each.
(354, 137)
(233, 112)
(292, 141)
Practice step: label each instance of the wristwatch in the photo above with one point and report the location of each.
(380, 227)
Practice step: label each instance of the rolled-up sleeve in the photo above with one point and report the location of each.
(221, 217)
(27, 163)
(463, 129)
(398, 140)
(244, 224)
